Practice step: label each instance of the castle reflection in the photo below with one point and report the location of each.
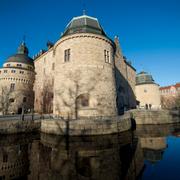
(118, 156)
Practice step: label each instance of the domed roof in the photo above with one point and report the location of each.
(144, 78)
(21, 56)
(84, 24)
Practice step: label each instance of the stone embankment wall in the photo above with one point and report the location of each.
(19, 126)
(154, 116)
(86, 126)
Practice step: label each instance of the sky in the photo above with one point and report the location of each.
(148, 30)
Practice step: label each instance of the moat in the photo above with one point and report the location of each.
(149, 152)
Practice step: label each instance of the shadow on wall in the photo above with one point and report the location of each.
(126, 98)
(78, 99)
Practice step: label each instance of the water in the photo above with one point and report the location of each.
(150, 152)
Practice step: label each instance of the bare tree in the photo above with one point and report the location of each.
(77, 97)
(177, 102)
(5, 100)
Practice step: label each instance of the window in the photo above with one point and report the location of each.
(21, 72)
(5, 157)
(53, 66)
(11, 100)
(13, 71)
(106, 56)
(5, 71)
(12, 87)
(67, 55)
(8, 65)
(29, 67)
(83, 100)
(19, 65)
(24, 99)
(145, 90)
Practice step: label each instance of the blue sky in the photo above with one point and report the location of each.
(149, 30)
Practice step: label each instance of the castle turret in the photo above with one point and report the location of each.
(84, 83)
(16, 82)
(147, 91)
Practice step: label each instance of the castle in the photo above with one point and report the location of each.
(83, 74)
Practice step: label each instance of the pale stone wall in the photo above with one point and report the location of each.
(44, 82)
(125, 80)
(85, 73)
(143, 116)
(148, 94)
(23, 78)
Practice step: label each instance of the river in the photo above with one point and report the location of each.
(150, 152)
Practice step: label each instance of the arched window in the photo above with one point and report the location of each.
(82, 100)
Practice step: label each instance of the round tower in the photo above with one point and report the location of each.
(16, 83)
(84, 75)
(147, 91)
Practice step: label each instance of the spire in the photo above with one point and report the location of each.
(84, 12)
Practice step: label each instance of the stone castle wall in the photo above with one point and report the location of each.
(125, 80)
(43, 86)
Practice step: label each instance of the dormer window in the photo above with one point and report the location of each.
(19, 65)
(13, 71)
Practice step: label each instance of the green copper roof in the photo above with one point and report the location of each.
(84, 24)
(144, 78)
(21, 56)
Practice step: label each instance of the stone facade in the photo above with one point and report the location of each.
(16, 85)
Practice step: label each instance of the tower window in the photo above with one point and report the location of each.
(83, 100)
(11, 100)
(12, 87)
(24, 99)
(67, 55)
(5, 157)
(53, 66)
(106, 56)
(13, 71)
(19, 65)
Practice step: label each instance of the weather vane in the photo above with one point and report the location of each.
(84, 7)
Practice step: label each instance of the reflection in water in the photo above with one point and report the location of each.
(119, 156)
(95, 157)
